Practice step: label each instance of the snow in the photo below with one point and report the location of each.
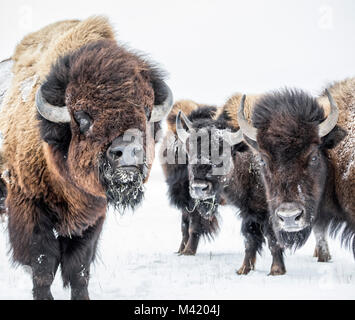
(137, 260)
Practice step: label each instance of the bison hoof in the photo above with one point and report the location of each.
(181, 250)
(324, 258)
(188, 252)
(277, 270)
(79, 294)
(42, 294)
(322, 255)
(245, 269)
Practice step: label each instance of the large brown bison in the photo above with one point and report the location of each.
(74, 95)
(307, 159)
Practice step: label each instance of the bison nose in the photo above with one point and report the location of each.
(124, 153)
(291, 216)
(200, 189)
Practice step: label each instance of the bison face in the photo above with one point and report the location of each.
(290, 138)
(209, 148)
(294, 188)
(99, 110)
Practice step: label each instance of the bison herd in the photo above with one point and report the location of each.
(80, 117)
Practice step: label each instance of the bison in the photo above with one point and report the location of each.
(198, 193)
(70, 122)
(306, 159)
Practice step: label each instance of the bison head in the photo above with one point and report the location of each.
(291, 138)
(209, 145)
(99, 109)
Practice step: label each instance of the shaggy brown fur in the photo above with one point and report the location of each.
(231, 106)
(54, 180)
(23, 147)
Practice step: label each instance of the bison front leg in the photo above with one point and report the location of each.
(45, 256)
(77, 256)
(194, 234)
(321, 250)
(33, 241)
(185, 222)
(196, 227)
(278, 265)
(254, 238)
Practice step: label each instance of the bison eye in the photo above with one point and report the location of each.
(314, 160)
(83, 120)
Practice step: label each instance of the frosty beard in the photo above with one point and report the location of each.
(124, 187)
(206, 208)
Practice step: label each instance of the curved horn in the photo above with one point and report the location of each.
(161, 110)
(245, 127)
(49, 112)
(328, 124)
(180, 130)
(233, 138)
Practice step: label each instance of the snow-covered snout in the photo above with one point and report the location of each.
(200, 189)
(205, 188)
(123, 170)
(203, 184)
(125, 155)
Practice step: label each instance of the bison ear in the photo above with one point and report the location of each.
(160, 93)
(163, 100)
(53, 89)
(332, 139)
(57, 135)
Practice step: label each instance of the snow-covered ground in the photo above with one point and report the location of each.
(136, 260)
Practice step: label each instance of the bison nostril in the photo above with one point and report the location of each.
(299, 216)
(116, 154)
(205, 188)
(289, 214)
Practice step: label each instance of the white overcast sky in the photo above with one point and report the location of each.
(213, 48)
